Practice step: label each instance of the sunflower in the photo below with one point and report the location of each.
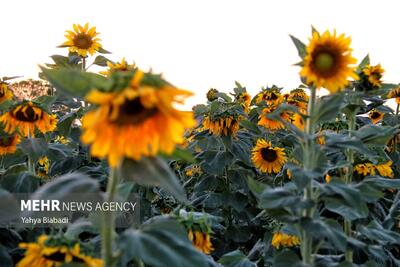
(40, 254)
(328, 178)
(138, 112)
(395, 93)
(375, 116)
(43, 167)
(328, 62)
(5, 92)
(280, 239)
(194, 170)
(267, 158)
(61, 139)
(82, 40)
(26, 117)
(226, 125)
(385, 169)
(269, 123)
(202, 241)
(244, 99)
(8, 144)
(212, 94)
(271, 97)
(374, 75)
(365, 169)
(298, 121)
(118, 66)
(298, 98)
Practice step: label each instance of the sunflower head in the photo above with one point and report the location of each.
(375, 116)
(145, 110)
(222, 126)
(395, 93)
(267, 158)
(8, 143)
(328, 61)
(82, 40)
(43, 165)
(212, 94)
(26, 117)
(118, 66)
(245, 100)
(371, 76)
(269, 96)
(5, 92)
(51, 251)
(280, 239)
(270, 123)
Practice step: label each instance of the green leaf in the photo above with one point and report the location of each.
(376, 135)
(8, 208)
(34, 147)
(236, 259)
(255, 186)
(160, 242)
(75, 82)
(252, 127)
(328, 107)
(73, 186)
(101, 61)
(153, 172)
(287, 258)
(78, 227)
(364, 62)
(181, 154)
(101, 50)
(23, 182)
(301, 47)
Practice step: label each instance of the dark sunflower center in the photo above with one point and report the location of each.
(6, 141)
(269, 154)
(326, 61)
(29, 115)
(273, 96)
(133, 112)
(83, 41)
(56, 256)
(375, 115)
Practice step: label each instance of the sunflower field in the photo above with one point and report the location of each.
(298, 177)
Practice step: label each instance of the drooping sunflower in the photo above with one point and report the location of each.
(374, 75)
(375, 116)
(82, 40)
(223, 126)
(212, 94)
(283, 240)
(137, 121)
(395, 93)
(328, 61)
(202, 241)
(270, 123)
(270, 96)
(26, 117)
(298, 98)
(8, 144)
(61, 139)
(298, 121)
(118, 66)
(385, 169)
(194, 170)
(244, 99)
(40, 254)
(43, 167)
(267, 158)
(5, 92)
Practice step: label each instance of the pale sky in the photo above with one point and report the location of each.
(200, 44)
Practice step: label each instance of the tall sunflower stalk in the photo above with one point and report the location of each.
(108, 222)
(309, 164)
(349, 178)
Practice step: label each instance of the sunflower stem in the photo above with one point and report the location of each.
(109, 221)
(306, 240)
(348, 180)
(31, 165)
(83, 64)
(395, 137)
